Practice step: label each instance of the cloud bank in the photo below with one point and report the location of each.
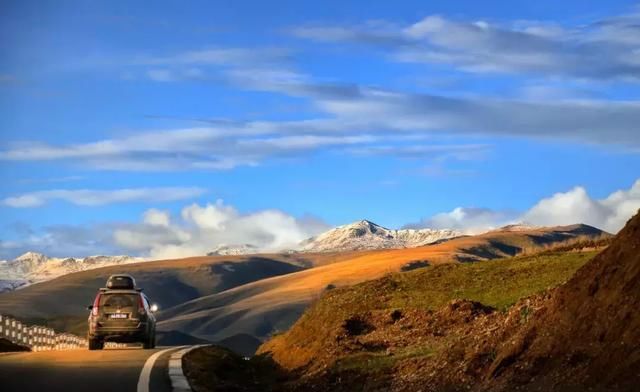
(349, 117)
(563, 208)
(363, 118)
(605, 49)
(202, 228)
(199, 229)
(97, 197)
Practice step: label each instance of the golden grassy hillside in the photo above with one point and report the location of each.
(313, 341)
(61, 302)
(273, 304)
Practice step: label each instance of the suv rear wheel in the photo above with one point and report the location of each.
(95, 344)
(149, 342)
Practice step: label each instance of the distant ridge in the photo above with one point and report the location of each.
(34, 267)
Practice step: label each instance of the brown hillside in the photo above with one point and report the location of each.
(62, 302)
(588, 334)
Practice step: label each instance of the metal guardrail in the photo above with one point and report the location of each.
(37, 337)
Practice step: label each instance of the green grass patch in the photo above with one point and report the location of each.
(372, 362)
(497, 283)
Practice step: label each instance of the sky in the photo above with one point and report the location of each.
(168, 130)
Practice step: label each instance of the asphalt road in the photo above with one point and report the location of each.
(112, 370)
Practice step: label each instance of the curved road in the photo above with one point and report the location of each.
(111, 370)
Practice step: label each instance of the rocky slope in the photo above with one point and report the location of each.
(587, 335)
(365, 235)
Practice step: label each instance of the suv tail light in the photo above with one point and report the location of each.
(140, 304)
(96, 304)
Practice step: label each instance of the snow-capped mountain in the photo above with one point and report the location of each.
(365, 235)
(34, 267)
(234, 250)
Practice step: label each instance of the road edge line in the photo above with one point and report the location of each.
(179, 382)
(145, 373)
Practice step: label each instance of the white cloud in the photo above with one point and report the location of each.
(436, 151)
(152, 240)
(365, 121)
(199, 229)
(92, 197)
(222, 147)
(211, 216)
(576, 205)
(595, 122)
(357, 119)
(62, 241)
(236, 63)
(468, 219)
(51, 179)
(217, 56)
(156, 217)
(605, 49)
(563, 208)
(203, 228)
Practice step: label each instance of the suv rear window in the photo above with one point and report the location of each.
(119, 300)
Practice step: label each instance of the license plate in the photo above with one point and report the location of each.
(118, 316)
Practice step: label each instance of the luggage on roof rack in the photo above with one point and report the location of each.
(124, 282)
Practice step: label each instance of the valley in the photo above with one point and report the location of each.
(247, 298)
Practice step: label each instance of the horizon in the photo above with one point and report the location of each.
(170, 131)
(298, 246)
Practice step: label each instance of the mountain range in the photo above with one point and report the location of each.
(33, 267)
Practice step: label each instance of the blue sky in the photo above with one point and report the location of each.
(117, 117)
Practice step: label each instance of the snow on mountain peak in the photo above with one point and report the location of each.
(31, 256)
(33, 267)
(366, 235)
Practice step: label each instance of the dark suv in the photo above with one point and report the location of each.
(121, 313)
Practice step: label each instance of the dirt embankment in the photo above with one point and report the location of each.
(587, 334)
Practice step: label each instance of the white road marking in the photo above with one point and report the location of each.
(179, 382)
(145, 374)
